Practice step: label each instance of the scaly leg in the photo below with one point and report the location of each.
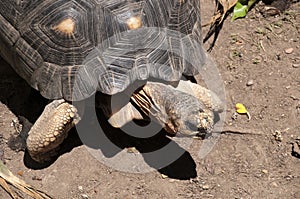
(51, 129)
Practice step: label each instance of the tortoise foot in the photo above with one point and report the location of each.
(51, 129)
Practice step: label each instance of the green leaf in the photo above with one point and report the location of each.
(239, 11)
(241, 8)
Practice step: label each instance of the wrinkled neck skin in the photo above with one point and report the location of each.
(177, 111)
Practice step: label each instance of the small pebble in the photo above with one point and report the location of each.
(85, 196)
(20, 173)
(80, 188)
(289, 50)
(205, 187)
(164, 176)
(296, 65)
(294, 97)
(274, 184)
(265, 171)
(250, 82)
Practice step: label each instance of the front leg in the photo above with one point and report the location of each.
(50, 129)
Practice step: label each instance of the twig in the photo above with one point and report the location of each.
(241, 131)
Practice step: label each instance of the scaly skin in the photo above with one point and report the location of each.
(51, 129)
(188, 109)
(177, 111)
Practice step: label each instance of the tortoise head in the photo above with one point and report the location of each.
(190, 121)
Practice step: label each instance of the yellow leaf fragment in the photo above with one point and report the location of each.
(241, 109)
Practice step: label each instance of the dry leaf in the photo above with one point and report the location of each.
(219, 16)
(227, 4)
(7, 177)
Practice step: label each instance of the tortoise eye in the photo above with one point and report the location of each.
(66, 26)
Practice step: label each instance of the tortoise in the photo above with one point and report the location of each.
(68, 50)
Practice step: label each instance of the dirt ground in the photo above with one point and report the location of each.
(259, 61)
